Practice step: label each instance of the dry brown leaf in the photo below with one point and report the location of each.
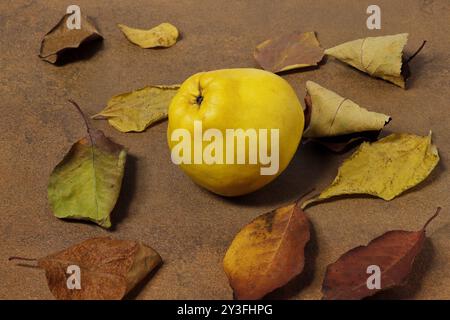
(163, 35)
(292, 51)
(61, 38)
(109, 268)
(267, 253)
(393, 253)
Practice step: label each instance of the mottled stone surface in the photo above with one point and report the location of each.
(190, 227)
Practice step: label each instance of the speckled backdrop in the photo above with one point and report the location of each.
(190, 227)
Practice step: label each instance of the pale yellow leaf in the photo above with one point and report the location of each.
(384, 168)
(378, 56)
(163, 35)
(136, 110)
(333, 115)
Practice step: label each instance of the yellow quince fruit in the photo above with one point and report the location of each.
(234, 130)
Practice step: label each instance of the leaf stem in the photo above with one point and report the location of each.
(431, 219)
(21, 258)
(88, 127)
(24, 259)
(304, 195)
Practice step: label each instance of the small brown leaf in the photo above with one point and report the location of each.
(109, 268)
(267, 253)
(291, 51)
(393, 252)
(60, 38)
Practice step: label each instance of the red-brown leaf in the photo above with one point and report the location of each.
(393, 252)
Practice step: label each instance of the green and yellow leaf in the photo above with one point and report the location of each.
(85, 185)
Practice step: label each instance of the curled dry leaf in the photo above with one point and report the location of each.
(109, 268)
(85, 185)
(137, 110)
(287, 52)
(267, 253)
(378, 56)
(384, 168)
(61, 38)
(330, 115)
(163, 35)
(393, 252)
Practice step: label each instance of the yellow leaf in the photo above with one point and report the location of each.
(333, 115)
(384, 168)
(378, 56)
(136, 110)
(163, 35)
(267, 253)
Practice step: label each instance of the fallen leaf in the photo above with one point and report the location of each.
(267, 253)
(378, 56)
(394, 253)
(163, 35)
(137, 110)
(291, 51)
(86, 183)
(384, 168)
(108, 268)
(331, 115)
(61, 38)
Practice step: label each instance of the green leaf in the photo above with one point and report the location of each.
(85, 185)
(137, 110)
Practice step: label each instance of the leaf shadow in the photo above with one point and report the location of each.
(420, 267)
(418, 64)
(127, 191)
(134, 293)
(305, 278)
(322, 62)
(85, 51)
(300, 176)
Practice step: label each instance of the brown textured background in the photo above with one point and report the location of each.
(190, 227)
